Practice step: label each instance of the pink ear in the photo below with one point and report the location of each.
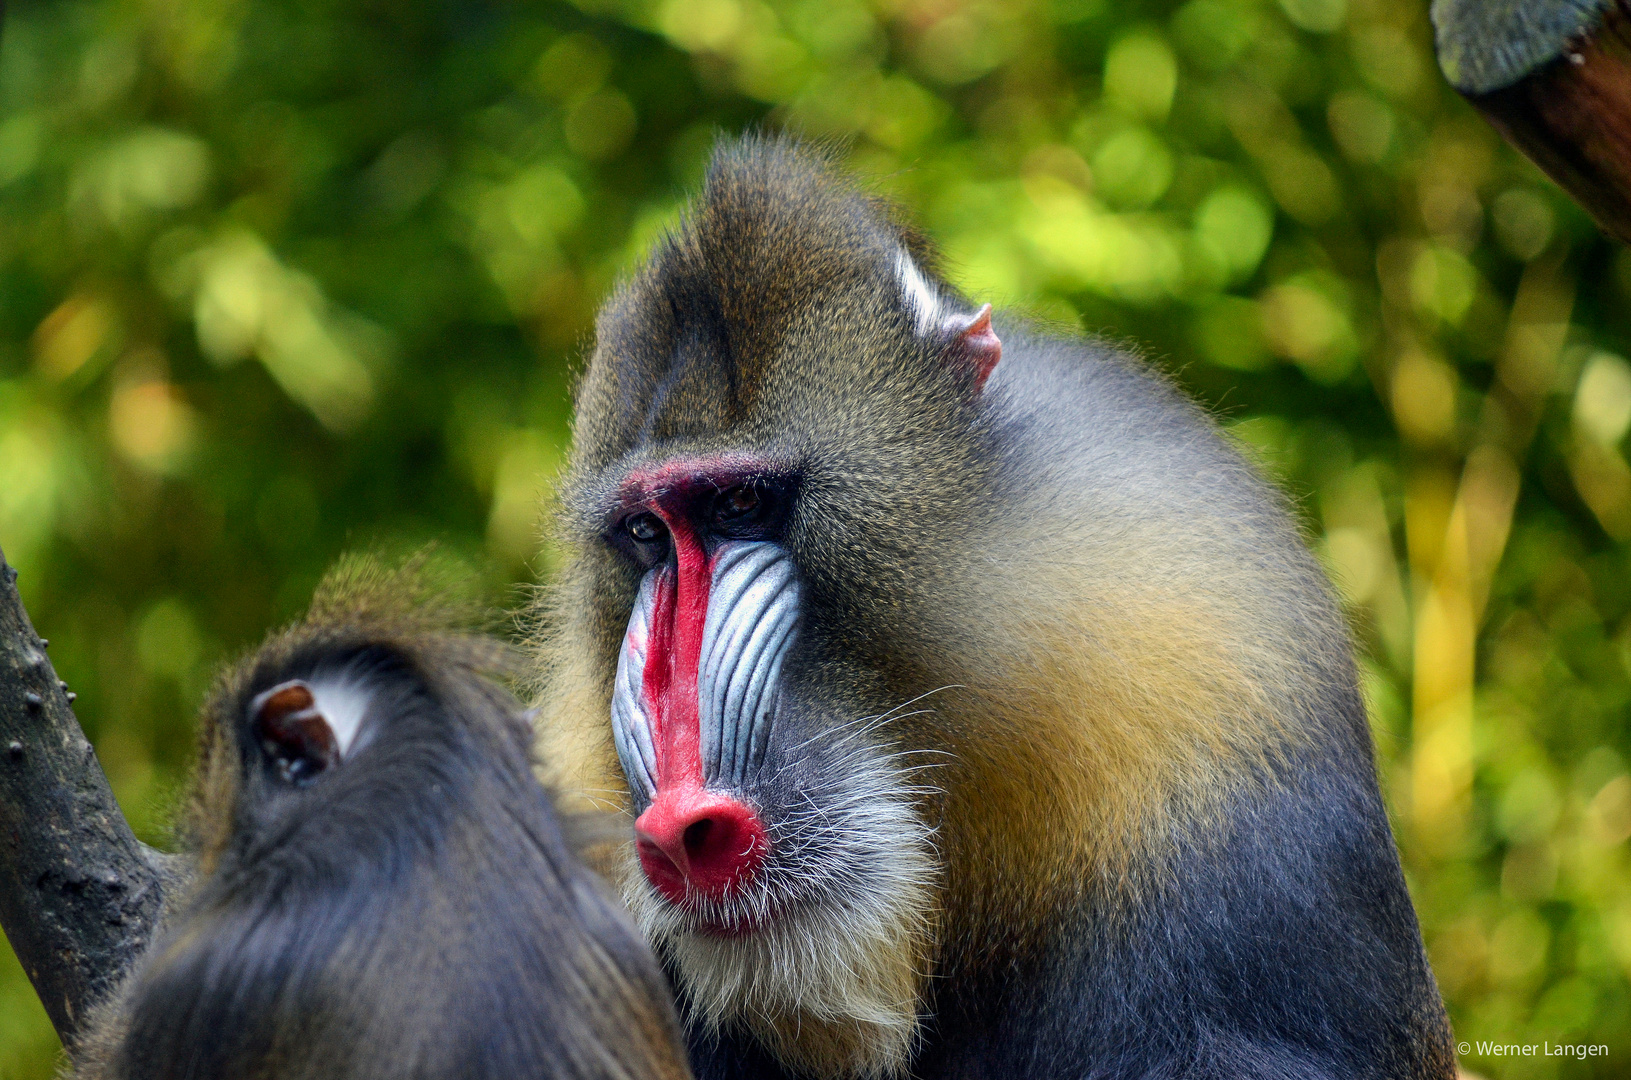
(973, 340)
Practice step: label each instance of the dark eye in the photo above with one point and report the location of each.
(644, 528)
(742, 501)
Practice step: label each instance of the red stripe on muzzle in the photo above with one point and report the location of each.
(691, 841)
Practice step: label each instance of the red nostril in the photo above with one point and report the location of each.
(695, 841)
(696, 837)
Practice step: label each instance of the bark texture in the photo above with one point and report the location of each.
(80, 896)
(1554, 77)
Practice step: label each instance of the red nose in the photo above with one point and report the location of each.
(699, 842)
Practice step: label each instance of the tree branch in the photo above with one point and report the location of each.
(80, 896)
(1554, 77)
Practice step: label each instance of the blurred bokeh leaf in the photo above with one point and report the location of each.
(278, 280)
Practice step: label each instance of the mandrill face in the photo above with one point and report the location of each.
(782, 853)
(698, 682)
(751, 811)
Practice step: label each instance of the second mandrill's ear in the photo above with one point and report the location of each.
(294, 735)
(971, 340)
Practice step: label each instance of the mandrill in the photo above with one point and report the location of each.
(384, 890)
(980, 711)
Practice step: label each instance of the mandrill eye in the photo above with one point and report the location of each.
(742, 501)
(644, 528)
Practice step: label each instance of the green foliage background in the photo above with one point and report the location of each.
(279, 279)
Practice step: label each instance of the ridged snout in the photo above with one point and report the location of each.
(688, 763)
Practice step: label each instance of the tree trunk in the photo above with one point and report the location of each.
(1554, 77)
(80, 896)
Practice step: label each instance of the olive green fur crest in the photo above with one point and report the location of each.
(777, 289)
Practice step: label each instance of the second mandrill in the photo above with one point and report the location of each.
(982, 713)
(383, 890)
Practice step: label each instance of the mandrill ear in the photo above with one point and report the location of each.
(295, 736)
(968, 339)
(971, 341)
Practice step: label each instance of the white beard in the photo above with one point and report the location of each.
(830, 981)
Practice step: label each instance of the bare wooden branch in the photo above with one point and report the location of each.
(79, 894)
(1554, 77)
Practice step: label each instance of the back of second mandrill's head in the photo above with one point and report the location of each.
(383, 887)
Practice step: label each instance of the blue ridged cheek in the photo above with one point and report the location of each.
(631, 726)
(753, 612)
(749, 628)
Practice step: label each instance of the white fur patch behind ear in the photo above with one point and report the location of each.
(918, 294)
(342, 703)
